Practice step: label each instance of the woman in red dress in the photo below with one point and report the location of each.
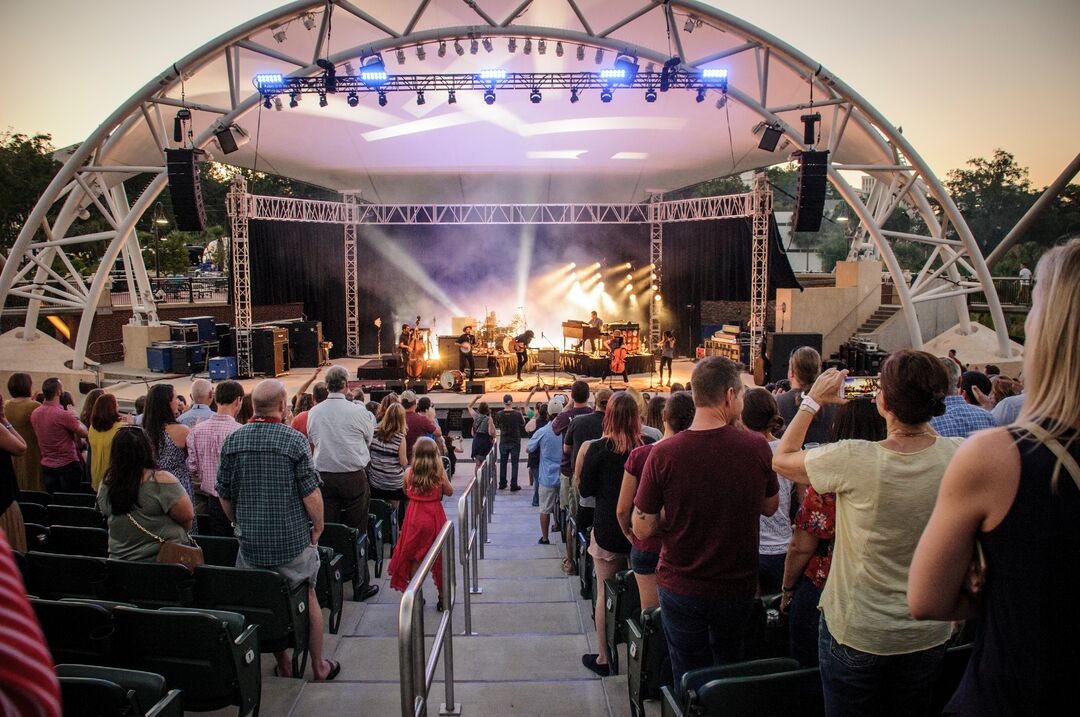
(426, 483)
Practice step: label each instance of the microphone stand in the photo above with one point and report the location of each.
(540, 383)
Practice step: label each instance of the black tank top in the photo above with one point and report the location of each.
(1027, 652)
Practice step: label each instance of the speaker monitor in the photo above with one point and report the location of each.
(779, 347)
(396, 386)
(391, 361)
(475, 387)
(770, 137)
(418, 387)
(185, 190)
(810, 196)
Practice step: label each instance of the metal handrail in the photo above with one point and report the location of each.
(418, 673)
(472, 522)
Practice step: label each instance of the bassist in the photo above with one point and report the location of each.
(403, 349)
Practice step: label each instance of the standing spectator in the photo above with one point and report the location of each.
(483, 431)
(961, 418)
(601, 472)
(969, 381)
(247, 410)
(204, 451)
(140, 407)
(88, 406)
(1024, 295)
(11, 444)
(547, 447)
(952, 357)
(875, 659)
(104, 423)
(645, 554)
(386, 472)
(201, 393)
(1011, 496)
(388, 399)
(581, 430)
(803, 369)
(418, 425)
(759, 414)
(342, 431)
(18, 410)
(653, 432)
(167, 437)
(139, 500)
(538, 421)
(511, 425)
(810, 552)
(270, 490)
(57, 431)
(579, 397)
(654, 413)
(706, 513)
(319, 393)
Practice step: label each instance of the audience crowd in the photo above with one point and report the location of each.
(945, 503)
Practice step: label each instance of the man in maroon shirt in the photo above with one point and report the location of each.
(57, 430)
(711, 483)
(418, 425)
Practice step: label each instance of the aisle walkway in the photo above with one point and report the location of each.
(525, 659)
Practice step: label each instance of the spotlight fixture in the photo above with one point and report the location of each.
(528, 45)
(574, 96)
(267, 103)
(329, 74)
(400, 56)
(541, 46)
(309, 20)
(382, 99)
(420, 53)
(278, 105)
(420, 97)
(294, 100)
(580, 52)
(489, 96)
(559, 49)
(599, 55)
(493, 74)
(624, 71)
(474, 46)
(322, 99)
(487, 44)
(722, 102)
(458, 48)
(511, 44)
(650, 95)
(692, 22)
(701, 94)
(535, 96)
(354, 99)
(451, 99)
(278, 33)
(605, 95)
(770, 136)
(715, 77)
(442, 49)
(349, 70)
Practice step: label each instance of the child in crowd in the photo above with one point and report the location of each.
(453, 447)
(426, 483)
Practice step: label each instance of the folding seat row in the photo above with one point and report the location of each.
(97, 691)
(68, 540)
(85, 499)
(86, 516)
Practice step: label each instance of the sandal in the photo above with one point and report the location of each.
(544, 541)
(277, 672)
(335, 670)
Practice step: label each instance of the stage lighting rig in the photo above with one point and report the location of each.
(701, 95)
(535, 96)
(373, 71)
(511, 44)
(458, 48)
(451, 98)
(308, 20)
(354, 99)
(541, 46)
(322, 99)
(442, 49)
(650, 95)
(278, 33)
(574, 96)
(489, 96)
(382, 99)
(528, 46)
(400, 56)
(559, 49)
(329, 74)
(580, 52)
(605, 95)
(474, 46)
(487, 44)
(421, 54)
(420, 97)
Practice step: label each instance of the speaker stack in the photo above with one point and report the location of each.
(304, 340)
(184, 188)
(270, 351)
(810, 196)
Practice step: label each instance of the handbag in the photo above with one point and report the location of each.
(190, 556)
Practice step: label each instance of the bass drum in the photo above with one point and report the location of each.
(450, 380)
(507, 343)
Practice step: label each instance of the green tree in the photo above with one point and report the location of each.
(992, 194)
(26, 168)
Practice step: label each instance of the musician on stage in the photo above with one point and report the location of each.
(617, 355)
(403, 348)
(466, 342)
(666, 347)
(597, 323)
(521, 348)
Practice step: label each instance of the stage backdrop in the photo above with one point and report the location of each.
(443, 271)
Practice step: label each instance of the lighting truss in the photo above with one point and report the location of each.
(270, 85)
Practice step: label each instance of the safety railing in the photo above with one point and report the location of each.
(416, 667)
(473, 519)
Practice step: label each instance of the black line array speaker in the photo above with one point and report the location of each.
(270, 351)
(779, 347)
(810, 196)
(185, 189)
(304, 340)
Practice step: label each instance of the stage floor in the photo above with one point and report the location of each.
(128, 384)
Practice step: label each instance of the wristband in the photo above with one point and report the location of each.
(809, 404)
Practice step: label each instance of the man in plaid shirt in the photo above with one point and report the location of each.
(960, 419)
(269, 489)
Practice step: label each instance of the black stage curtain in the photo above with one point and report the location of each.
(710, 261)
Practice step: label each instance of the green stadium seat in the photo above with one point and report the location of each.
(34, 513)
(686, 699)
(75, 515)
(621, 602)
(52, 576)
(375, 532)
(586, 573)
(76, 631)
(792, 691)
(149, 584)
(71, 540)
(83, 500)
(648, 665)
(37, 536)
(218, 550)
(390, 529)
(35, 496)
(97, 691)
(329, 588)
(353, 549)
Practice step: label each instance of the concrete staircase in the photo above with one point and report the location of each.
(879, 317)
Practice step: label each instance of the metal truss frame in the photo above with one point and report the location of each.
(237, 209)
(39, 269)
(352, 285)
(656, 258)
(759, 262)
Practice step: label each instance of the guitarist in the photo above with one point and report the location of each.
(403, 348)
(465, 351)
(521, 348)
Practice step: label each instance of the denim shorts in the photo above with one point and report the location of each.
(643, 562)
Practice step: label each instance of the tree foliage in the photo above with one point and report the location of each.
(26, 167)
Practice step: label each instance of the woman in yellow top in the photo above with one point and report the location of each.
(876, 659)
(105, 421)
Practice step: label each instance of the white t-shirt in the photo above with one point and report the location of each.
(776, 528)
(1025, 275)
(341, 432)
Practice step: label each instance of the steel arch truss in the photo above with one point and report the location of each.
(40, 271)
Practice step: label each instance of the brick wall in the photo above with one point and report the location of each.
(732, 312)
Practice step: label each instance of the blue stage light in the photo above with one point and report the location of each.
(269, 80)
(492, 74)
(715, 77)
(612, 73)
(373, 71)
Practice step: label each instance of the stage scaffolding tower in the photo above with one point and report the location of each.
(352, 288)
(759, 263)
(656, 256)
(237, 204)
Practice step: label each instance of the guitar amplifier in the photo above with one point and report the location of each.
(448, 348)
(270, 351)
(548, 357)
(475, 387)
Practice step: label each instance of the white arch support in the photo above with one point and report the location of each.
(132, 139)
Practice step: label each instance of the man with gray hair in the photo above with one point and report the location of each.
(341, 432)
(201, 393)
(960, 419)
(270, 491)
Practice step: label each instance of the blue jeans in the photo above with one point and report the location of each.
(859, 683)
(702, 632)
(509, 450)
(803, 615)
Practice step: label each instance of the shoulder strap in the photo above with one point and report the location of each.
(136, 524)
(1064, 457)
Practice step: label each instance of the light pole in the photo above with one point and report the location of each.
(159, 221)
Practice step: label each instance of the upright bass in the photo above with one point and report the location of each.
(417, 353)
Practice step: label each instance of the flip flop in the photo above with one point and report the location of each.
(544, 541)
(335, 670)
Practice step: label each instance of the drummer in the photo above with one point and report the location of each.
(465, 343)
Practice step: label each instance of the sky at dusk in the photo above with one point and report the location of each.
(961, 77)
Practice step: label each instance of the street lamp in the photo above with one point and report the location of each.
(159, 221)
